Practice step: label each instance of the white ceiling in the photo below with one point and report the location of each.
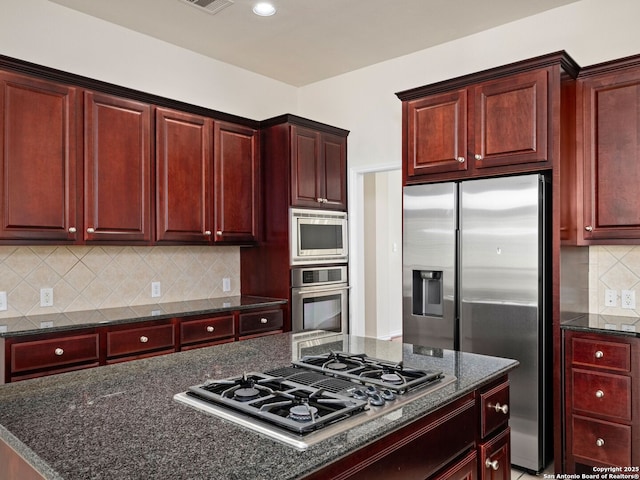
(311, 40)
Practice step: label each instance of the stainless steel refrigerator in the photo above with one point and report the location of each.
(476, 279)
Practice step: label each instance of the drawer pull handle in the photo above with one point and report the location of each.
(460, 159)
(477, 156)
(500, 408)
(210, 329)
(599, 354)
(91, 230)
(144, 339)
(263, 320)
(599, 394)
(207, 233)
(589, 228)
(489, 464)
(72, 230)
(58, 351)
(600, 442)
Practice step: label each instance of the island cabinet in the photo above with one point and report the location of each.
(500, 121)
(38, 159)
(605, 188)
(602, 401)
(117, 169)
(467, 439)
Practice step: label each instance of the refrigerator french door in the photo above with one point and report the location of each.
(475, 279)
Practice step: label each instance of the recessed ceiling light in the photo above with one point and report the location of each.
(264, 9)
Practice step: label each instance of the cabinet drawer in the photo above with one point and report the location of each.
(494, 408)
(206, 329)
(595, 353)
(260, 321)
(601, 441)
(602, 393)
(55, 352)
(139, 340)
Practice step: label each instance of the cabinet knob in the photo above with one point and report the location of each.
(319, 200)
(219, 233)
(600, 442)
(599, 354)
(144, 339)
(489, 464)
(460, 159)
(263, 320)
(207, 233)
(210, 329)
(58, 351)
(91, 230)
(599, 394)
(72, 230)
(589, 228)
(500, 408)
(477, 156)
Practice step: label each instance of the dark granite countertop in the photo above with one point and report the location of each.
(28, 325)
(121, 421)
(603, 324)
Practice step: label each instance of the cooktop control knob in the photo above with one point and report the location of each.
(359, 394)
(376, 400)
(388, 395)
(371, 390)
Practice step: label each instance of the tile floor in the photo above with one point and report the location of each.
(521, 475)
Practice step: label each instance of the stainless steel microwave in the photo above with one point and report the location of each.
(318, 236)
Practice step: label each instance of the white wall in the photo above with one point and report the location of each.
(49, 34)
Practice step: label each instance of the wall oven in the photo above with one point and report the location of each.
(319, 298)
(318, 236)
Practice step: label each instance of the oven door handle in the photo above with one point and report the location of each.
(305, 291)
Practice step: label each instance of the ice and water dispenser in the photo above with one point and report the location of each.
(427, 293)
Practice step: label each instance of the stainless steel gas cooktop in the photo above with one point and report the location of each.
(316, 397)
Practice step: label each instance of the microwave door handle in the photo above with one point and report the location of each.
(323, 290)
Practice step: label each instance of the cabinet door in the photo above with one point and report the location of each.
(37, 159)
(334, 171)
(117, 163)
(306, 188)
(510, 120)
(237, 183)
(437, 134)
(611, 156)
(495, 457)
(183, 177)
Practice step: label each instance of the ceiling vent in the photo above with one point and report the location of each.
(209, 6)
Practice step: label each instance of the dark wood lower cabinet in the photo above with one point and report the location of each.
(30, 356)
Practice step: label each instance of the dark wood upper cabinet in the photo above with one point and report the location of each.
(608, 162)
(237, 183)
(437, 134)
(38, 164)
(509, 121)
(117, 169)
(184, 177)
(318, 169)
(506, 120)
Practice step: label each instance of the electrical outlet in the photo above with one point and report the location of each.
(46, 297)
(46, 324)
(610, 298)
(155, 289)
(628, 327)
(3, 301)
(226, 284)
(628, 299)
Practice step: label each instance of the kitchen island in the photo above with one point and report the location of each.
(121, 421)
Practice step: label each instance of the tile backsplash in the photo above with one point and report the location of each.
(613, 267)
(91, 277)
